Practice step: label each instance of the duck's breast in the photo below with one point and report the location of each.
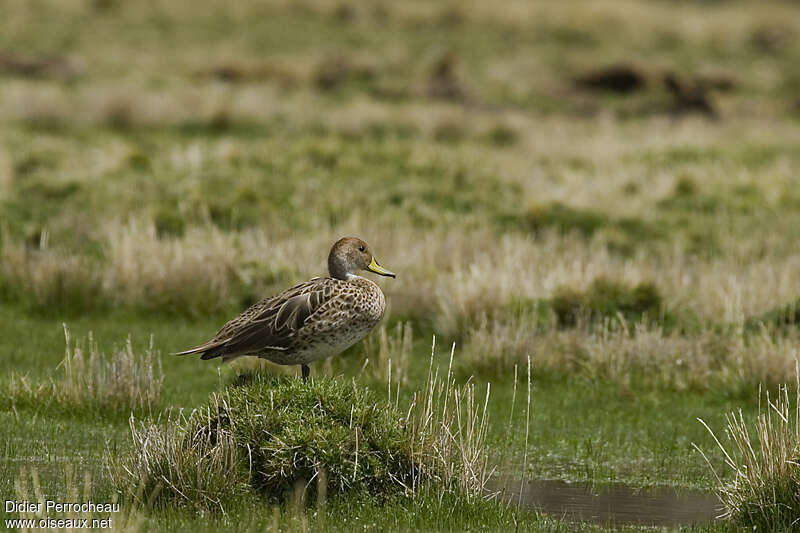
(341, 322)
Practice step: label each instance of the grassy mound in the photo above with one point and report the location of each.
(292, 430)
(272, 437)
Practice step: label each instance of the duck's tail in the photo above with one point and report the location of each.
(208, 350)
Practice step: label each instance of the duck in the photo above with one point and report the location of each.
(314, 320)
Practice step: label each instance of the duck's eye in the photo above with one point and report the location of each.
(362, 249)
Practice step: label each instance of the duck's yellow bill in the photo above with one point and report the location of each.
(375, 267)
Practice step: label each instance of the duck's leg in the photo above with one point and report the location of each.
(306, 372)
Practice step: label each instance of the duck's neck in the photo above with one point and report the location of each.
(340, 273)
(337, 270)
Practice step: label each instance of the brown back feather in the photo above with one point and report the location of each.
(269, 324)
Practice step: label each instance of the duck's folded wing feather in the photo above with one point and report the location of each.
(276, 328)
(272, 326)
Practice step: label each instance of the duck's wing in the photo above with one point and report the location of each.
(270, 324)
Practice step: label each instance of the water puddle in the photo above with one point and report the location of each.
(613, 504)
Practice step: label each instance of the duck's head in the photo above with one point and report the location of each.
(350, 255)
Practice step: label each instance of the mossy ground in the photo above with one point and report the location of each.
(294, 430)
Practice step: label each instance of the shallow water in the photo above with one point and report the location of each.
(613, 504)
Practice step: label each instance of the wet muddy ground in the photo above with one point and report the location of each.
(613, 504)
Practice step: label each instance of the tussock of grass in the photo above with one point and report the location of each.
(185, 463)
(764, 494)
(496, 346)
(448, 425)
(502, 135)
(51, 282)
(607, 299)
(126, 380)
(565, 219)
(269, 435)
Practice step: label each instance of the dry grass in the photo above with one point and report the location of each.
(387, 353)
(52, 281)
(638, 353)
(491, 293)
(126, 380)
(468, 276)
(496, 346)
(513, 268)
(195, 274)
(448, 425)
(764, 494)
(182, 462)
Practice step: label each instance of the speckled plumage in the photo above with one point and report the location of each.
(313, 320)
